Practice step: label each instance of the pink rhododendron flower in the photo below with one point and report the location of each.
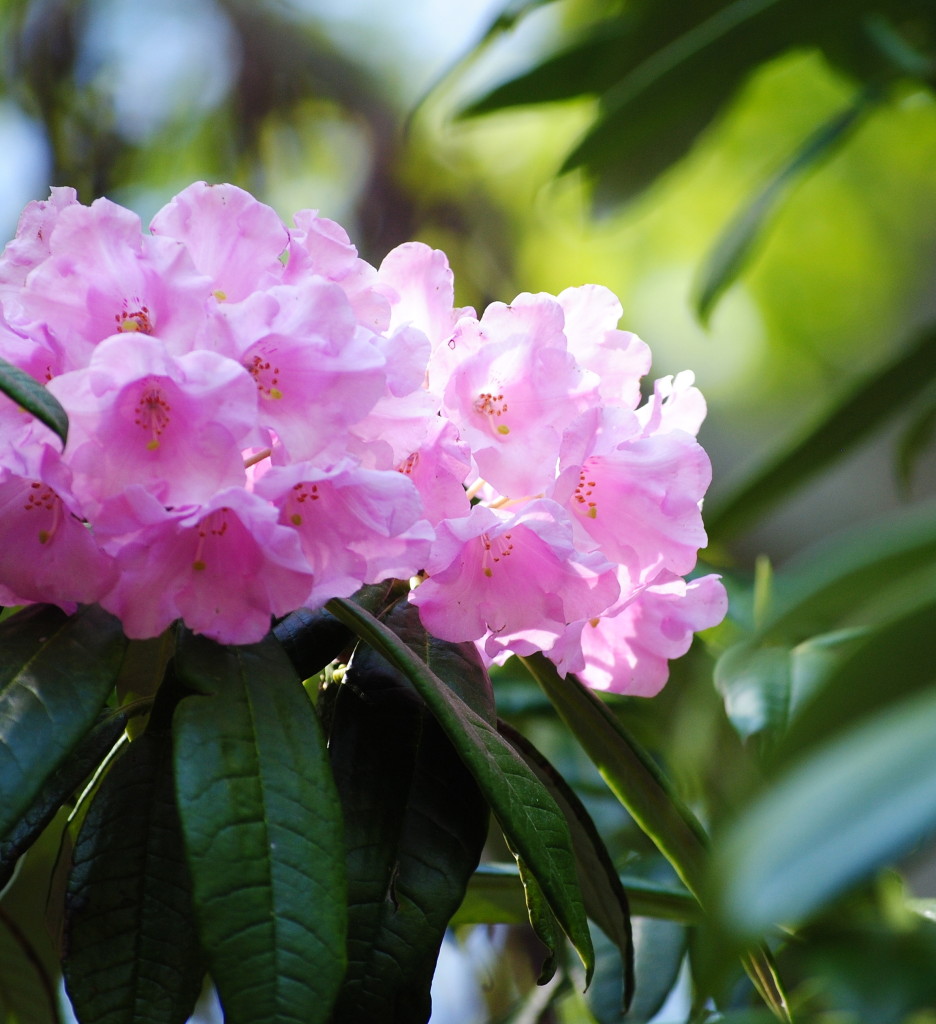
(260, 420)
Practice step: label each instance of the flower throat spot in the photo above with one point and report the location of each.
(153, 414)
(132, 321)
(266, 376)
(301, 494)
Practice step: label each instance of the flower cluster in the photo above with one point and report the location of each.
(259, 420)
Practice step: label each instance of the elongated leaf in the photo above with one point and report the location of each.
(58, 788)
(902, 653)
(833, 819)
(605, 899)
(495, 896)
(865, 407)
(629, 771)
(56, 671)
(526, 812)
(312, 637)
(415, 823)
(133, 955)
(732, 251)
(30, 395)
(262, 828)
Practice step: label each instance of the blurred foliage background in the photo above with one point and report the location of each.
(755, 180)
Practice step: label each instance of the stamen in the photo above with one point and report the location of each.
(301, 493)
(584, 492)
(134, 320)
(267, 377)
(41, 498)
(494, 551)
(491, 405)
(153, 414)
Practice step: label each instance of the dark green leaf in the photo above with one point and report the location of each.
(27, 993)
(533, 823)
(914, 442)
(30, 395)
(415, 823)
(312, 637)
(56, 671)
(629, 771)
(834, 818)
(132, 953)
(605, 898)
(732, 251)
(864, 408)
(59, 788)
(262, 827)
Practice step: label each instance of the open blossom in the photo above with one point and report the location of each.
(260, 420)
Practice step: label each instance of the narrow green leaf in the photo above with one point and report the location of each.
(495, 896)
(543, 921)
(415, 824)
(902, 653)
(56, 672)
(732, 251)
(834, 818)
(263, 832)
(30, 395)
(605, 899)
(526, 812)
(132, 952)
(629, 771)
(27, 993)
(865, 407)
(59, 787)
(914, 442)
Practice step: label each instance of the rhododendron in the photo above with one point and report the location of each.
(261, 421)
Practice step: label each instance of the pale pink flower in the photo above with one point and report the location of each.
(31, 244)
(175, 425)
(233, 239)
(224, 567)
(355, 526)
(499, 572)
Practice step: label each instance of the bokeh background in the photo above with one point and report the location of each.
(389, 119)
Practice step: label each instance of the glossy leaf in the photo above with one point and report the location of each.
(58, 788)
(732, 251)
(132, 952)
(864, 408)
(56, 672)
(262, 828)
(605, 899)
(534, 825)
(629, 771)
(313, 637)
(415, 823)
(30, 395)
(835, 817)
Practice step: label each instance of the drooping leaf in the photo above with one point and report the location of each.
(832, 819)
(528, 815)
(629, 771)
(731, 253)
(415, 823)
(312, 637)
(58, 788)
(605, 899)
(132, 951)
(263, 832)
(865, 407)
(27, 993)
(495, 896)
(56, 672)
(30, 395)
